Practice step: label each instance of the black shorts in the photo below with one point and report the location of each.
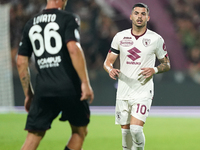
(44, 110)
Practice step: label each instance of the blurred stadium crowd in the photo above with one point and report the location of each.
(99, 23)
(186, 17)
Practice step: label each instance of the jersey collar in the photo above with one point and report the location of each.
(137, 36)
(52, 9)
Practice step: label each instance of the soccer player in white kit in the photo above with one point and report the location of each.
(138, 48)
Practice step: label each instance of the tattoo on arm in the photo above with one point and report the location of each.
(24, 74)
(25, 81)
(164, 65)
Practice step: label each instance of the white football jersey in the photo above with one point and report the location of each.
(136, 52)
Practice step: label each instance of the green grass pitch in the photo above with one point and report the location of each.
(162, 133)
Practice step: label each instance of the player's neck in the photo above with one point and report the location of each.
(138, 31)
(52, 5)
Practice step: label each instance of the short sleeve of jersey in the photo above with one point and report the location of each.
(72, 29)
(161, 50)
(25, 47)
(115, 44)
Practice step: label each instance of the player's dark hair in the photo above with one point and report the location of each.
(141, 5)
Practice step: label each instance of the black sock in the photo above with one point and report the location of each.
(66, 148)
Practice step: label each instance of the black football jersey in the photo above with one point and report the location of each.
(46, 36)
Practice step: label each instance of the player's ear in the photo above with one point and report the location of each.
(148, 18)
(130, 17)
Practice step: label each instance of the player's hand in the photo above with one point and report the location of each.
(114, 73)
(87, 92)
(145, 75)
(27, 103)
(147, 72)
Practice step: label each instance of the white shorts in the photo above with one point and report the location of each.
(126, 108)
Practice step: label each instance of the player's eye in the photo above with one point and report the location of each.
(144, 14)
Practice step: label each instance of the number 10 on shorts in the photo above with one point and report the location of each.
(141, 109)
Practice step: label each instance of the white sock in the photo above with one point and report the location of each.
(137, 137)
(126, 139)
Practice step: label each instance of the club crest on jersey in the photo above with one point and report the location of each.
(126, 42)
(118, 115)
(146, 42)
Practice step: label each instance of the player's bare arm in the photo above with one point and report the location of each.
(163, 67)
(78, 61)
(22, 66)
(108, 65)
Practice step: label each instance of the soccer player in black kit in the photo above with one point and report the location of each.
(62, 83)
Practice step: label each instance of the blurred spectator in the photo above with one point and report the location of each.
(186, 32)
(4, 1)
(194, 64)
(17, 22)
(106, 31)
(33, 7)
